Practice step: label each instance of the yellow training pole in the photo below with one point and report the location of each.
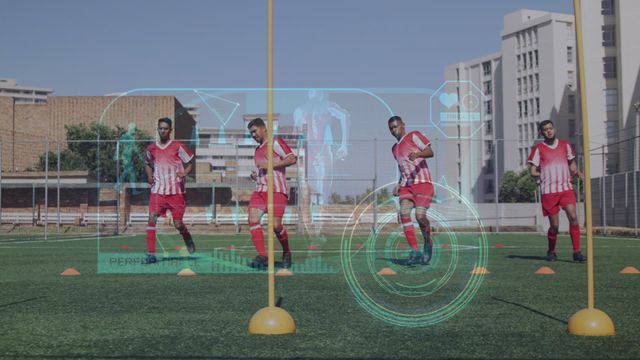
(270, 320)
(589, 321)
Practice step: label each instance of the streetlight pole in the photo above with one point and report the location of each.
(636, 160)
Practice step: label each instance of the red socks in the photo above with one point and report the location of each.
(552, 237)
(574, 231)
(258, 238)
(151, 238)
(410, 233)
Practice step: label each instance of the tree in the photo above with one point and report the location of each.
(85, 152)
(517, 187)
(335, 198)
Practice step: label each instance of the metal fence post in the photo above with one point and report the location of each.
(375, 185)
(1, 182)
(118, 188)
(46, 188)
(58, 186)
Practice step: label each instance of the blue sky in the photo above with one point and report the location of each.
(83, 47)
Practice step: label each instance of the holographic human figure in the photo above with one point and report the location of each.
(129, 152)
(314, 120)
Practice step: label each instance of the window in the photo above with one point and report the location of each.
(520, 109)
(608, 35)
(524, 84)
(533, 131)
(571, 100)
(519, 132)
(488, 147)
(519, 86)
(526, 132)
(459, 151)
(537, 82)
(489, 189)
(611, 97)
(607, 7)
(570, 79)
(530, 83)
(524, 61)
(521, 157)
(518, 40)
(526, 108)
(519, 62)
(530, 59)
(489, 168)
(572, 127)
(488, 127)
(569, 54)
(486, 68)
(487, 107)
(531, 106)
(488, 87)
(535, 36)
(538, 106)
(609, 63)
(535, 56)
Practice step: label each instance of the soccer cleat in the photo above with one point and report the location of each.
(551, 256)
(414, 257)
(286, 260)
(191, 246)
(259, 262)
(577, 256)
(426, 254)
(150, 259)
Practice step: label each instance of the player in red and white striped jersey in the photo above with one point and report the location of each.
(414, 187)
(553, 163)
(282, 157)
(165, 167)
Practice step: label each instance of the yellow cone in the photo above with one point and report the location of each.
(480, 270)
(386, 272)
(186, 272)
(272, 321)
(591, 322)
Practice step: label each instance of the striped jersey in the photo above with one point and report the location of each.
(280, 151)
(553, 164)
(167, 160)
(416, 171)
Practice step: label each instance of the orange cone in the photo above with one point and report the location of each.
(630, 270)
(70, 272)
(480, 270)
(444, 246)
(124, 246)
(400, 246)
(499, 246)
(231, 247)
(313, 247)
(386, 272)
(360, 246)
(284, 272)
(545, 270)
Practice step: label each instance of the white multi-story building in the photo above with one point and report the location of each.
(612, 77)
(24, 94)
(532, 78)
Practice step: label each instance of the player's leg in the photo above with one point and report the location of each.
(178, 207)
(151, 237)
(574, 231)
(257, 207)
(552, 236)
(279, 205)
(406, 205)
(425, 229)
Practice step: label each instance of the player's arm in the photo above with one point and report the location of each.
(187, 169)
(342, 115)
(573, 169)
(187, 158)
(288, 160)
(425, 153)
(149, 170)
(534, 171)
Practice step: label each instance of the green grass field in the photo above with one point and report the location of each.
(135, 311)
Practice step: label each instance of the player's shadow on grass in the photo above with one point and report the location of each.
(276, 265)
(533, 257)
(401, 262)
(530, 309)
(22, 301)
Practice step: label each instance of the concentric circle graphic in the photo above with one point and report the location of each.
(418, 295)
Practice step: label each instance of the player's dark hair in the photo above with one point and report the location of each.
(256, 122)
(543, 124)
(394, 118)
(165, 120)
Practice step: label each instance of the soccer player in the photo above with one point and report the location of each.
(165, 167)
(553, 164)
(414, 187)
(282, 157)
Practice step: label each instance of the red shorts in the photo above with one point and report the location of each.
(552, 203)
(259, 201)
(421, 194)
(159, 204)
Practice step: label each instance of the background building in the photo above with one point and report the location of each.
(24, 94)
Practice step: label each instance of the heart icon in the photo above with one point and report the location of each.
(449, 99)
